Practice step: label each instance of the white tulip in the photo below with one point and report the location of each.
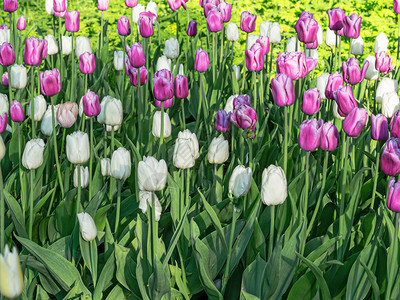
(152, 174)
(336, 112)
(144, 198)
(111, 128)
(330, 38)
(39, 108)
(232, 32)
(240, 181)
(84, 176)
(218, 151)
(78, 147)
(111, 111)
(320, 35)
(152, 7)
(186, 150)
(171, 48)
(274, 186)
(292, 44)
(47, 126)
(52, 47)
(163, 63)
(381, 43)
(4, 104)
(66, 45)
(236, 69)
(80, 110)
(49, 7)
(313, 53)
(156, 129)
(390, 104)
(87, 226)
(136, 12)
(12, 281)
(357, 46)
(18, 77)
(274, 33)
(4, 36)
(105, 165)
(119, 60)
(251, 40)
(322, 82)
(82, 45)
(372, 73)
(32, 158)
(2, 149)
(386, 85)
(229, 104)
(181, 70)
(264, 28)
(121, 164)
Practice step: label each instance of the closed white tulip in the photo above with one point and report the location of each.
(80, 110)
(292, 44)
(78, 148)
(119, 60)
(336, 112)
(381, 43)
(156, 129)
(105, 165)
(32, 158)
(229, 104)
(251, 40)
(320, 35)
(121, 164)
(145, 198)
(232, 32)
(46, 125)
(274, 33)
(171, 49)
(152, 7)
(136, 12)
(4, 104)
(12, 281)
(111, 111)
(66, 45)
(240, 181)
(386, 85)
(152, 174)
(264, 28)
(236, 69)
(322, 82)
(163, 63)
(218, 151)
(82, 45)
(330, 38)
(357, 46)
(87, 227)
(52, 47)
(18, 76)
(84, 176)
(274, 186)
(39, 108)
(4, 36)
(372, 73)
(390, 104)
(2, 149)
(49, 7)
(186, 150)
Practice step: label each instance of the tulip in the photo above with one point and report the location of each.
(39, 108)
(223, 120)
(355, 121)
(82, 45)
(307, 29)
(46, 125)
(50, 84)
(372, 73)
(274, 33)
(255, 58)
(4, 79)
(201, 61)
(12, 280)
(171, 49)
(77, 148)
(4, 105)
(52, 47)
(102, 5)
(311, 101)
(181, 87)
(35, 51)
(124, 28)
(292, 44)
(4, 35)
(136, 55)
(328, 137)
(59, 5)
(218, 152)
(119, 60)
(395, 125)
(32, 158)
(3, 122)
(149, 197)
(251, 40)
(87, 227)
(163, 85)
(72, 21)
(330, 38)
(241, 99)
(10, 6)
(105, 165)
(156, 129)
(87, 63)
(240, 181)
(322, 82)
(383, 62)
(66, 45)
(7, 54)
(352, 26)
(264, 28)
(49, 7)
(229, 104)
(84, 176)
(282, 90)
(294, 64)
(390, 104)
(386, 85)
(309, 135)
(21, 24)
(351, 71)
(186, 150)
(163, 63)
(121, 164)
(176, 4)
(245, 117)
(236, 70)
(247, 22)
(393, 201)
(390, 161)
(214, 20)
(167, 103)
(146, 21)
(133, 76)
(273, 186)
(336, 18)
(111, 111)
(396, 6)
(16, 111)
(131, 3)
(91, 104)
(192, 28)
(152, 174)
(312, 53)
(357, 46)
(152, 8)
(226, 11)
(2, 152)
(379, 127)
(345, 100)
(381, 43)
(67, 114)
(335, 80)
(136, 11)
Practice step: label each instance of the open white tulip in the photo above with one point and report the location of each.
(145, 198)
(240, 181)
(121, 164)
(274, 186)
(87, 227)
(32, 158)
(186, 150)
(84, 176)
(156, 129)
(78, 147)
(163, 63)
(218, 152)
(12, 281)
(4, 104)
(152, 174)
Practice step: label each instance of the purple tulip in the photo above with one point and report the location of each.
(255, 58)
(351, 71)
(7, 54)
(335, 80)
(72, 21)
(35, 51)
(248, 22)
(355, 121)
(136, 55)
(208, 7)
(311, 101)
(3, 26)
(383, 62)
(241, 99)
(146, 21)
(16, 111)
(4, 79)
(87, 63)
(10, 5)
(60, 6)
(312, 45)
(264, 42)
(390, 161)
(222, 121)
(91, 104)
(393, 201)
(3, 122)
(50, 83)
(345, 100)
(214, 20)
(102, 5)
(181, 87)
(352, 26)
(328, 137)
(282, 90)
(21, 24)
(131, 3)
(395, 125)
(176, 4)
(336, 18)
(124, 28)
(133, 75)
(163, 85)
(192, 28)
(309, 134)
(202, 61)
(307, 28)
(379, 127)
(167, 103)
(226, 11)
(244, 116)
(294, 64)
(396, 6)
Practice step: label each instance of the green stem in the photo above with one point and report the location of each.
(112, 151)
(60, 41)
(91, 159)
(214, 58)
(117, 216)
(244, 64)
(285, 153)
(255, 90)
(398, 41)
(343, 198)
(350, 42)
(32, 106)
(2, 214)
(269, 70)
(139, 113)
(78, 201)
(31, 205)
(73, 69)
(271, 234)
(102, 32)
(378, 155)
(9, 85)
(55, 147)
(123, 74)
(23, 197)
(307, 183)
(177, 25)
(261, 93)
(93, 247)
(183, 114)
(200, 101)
(161, 147)
(393, 252)
(154, 233)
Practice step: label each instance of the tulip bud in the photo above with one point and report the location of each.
(335, 80)
(12, 280)
(3, 122)
(4, 35)
(121, 164)
(119, 60)
(292, 44)
(35, 51)
(294, 64)
(328, 137)
(383, 62)
(124, 28)
(255, 58)
(7, 54)
(136, 11)
(390, 161)
(50, 83)
(105, 165)
(214, 20)
(390, 104)
(32, 158)
(82, 45)
(282, 90)
(386, 85)
(274, 33)
(355, 121)
(171, 49)
(4, 79)
(146, 197)
(351, 71)
(111, 112)
(223, 120)
(357, 46)
(247, 22)
(10, 6)
(352, 26)
(102, 5)
(379, 127)
(330, 38)
(4, 105)
(163, 85)
(192, 28)
(136, 55)
(274, 186)
(240, 181)
(91, 104)
(87, 227)
(311, 101)
(72, 21)
(78, 148)
(21, 24)
(218, 151)
(87, 63)
(84, 176)
(309, 134)
(152, 174)
(372, 73)
(145, 25)
(186, 150)
(16, 111)
(393, 201)
(46, 125)
(181, 87)
(336, 18)
(66, 45)
(156, 129)
(52, 47)
(39, 108)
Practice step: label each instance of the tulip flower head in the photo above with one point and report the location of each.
(102, 5)
(240, 181)
(121, 164)
(50, 84)
(379, 127)
(77, 147)
(393, 201)
(222, 121)
(10, 5)
(309, 134)
(335, 80)
(186, 150)
(163, 85)
(351, 71)
(156, 128)
(39, 108)
(383, 62)
(32, 158)
(134, 76)
(52, 46)
(136, 55)
(328, 137)
(167, 103)
(111, 111)
(87, 227)
(294, 64)
(307, 29)
(355, 121)
(35, 51)
(395, 125)
(60, 5)
(218, 151)
(352, 26)
(146, 21)
(148, 198)
(244, 116)
(396, 6)
(248, 22)
(390, 161)
(192, 28)
(181, 87)
(345, 100)
(131, 3)
(171, 49)
(282, 90)
(226, 11)
(124, 28)
(274, 186)
(72, 21)
(105, 165)
(311, 101)
(152, 174)
(82, 45)
(201, 61)
(255, 58)
(91, 104)
(4, 79)
(3, 122)
(12, 280)
(87, 63)
(67, 114)
(214, 20)
(7, 54)
(16, 111)
(336, 18)
(21, 24)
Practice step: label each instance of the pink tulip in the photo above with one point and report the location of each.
(72, 21)
(3, 122)
(136, 55)
(192, 28)
(35, 51)
(328, 137)
(336, 18)
(248, 22)
(7, 54)
(294, 64)
(309, 134)
(124, 27)
(383, 62)
(255, 58)
(50, 83)
(335, 80)
(379, 127)
(146, 21)
(10, 5)
(245, 117)
(16, 111)
(131, 3)
(4, 79)
(181, 87)
(102, 5)
(87, 63)
(226, 11)
(355, 121)
(133, 76)
(345, 100)
(67, 114)
(393, 199)
(311, 101)
(60, 5)
(390, 162)
(222, 121)
(91, 104)
(167, 103)
(21, 24)
(202, 61)
(163, 85)
(282, 90)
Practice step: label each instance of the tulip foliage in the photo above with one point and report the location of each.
(174, 167)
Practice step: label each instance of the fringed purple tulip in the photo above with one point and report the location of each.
(390, 161)
(345, 100)
(383, 62)
(351, 71)
(87, 63)
(192, 28)
(10, 5)
(4, 79)
(134, 78)
(311, 101)
(72, 21)
(282, 90)
(3, 122)
(202, 61)
(102, 5)
(245, 117)
(379, 127)
(124, 28)
(309, 134)
(396, 6)
(163, 85)
(131, 3)
(145, 24)
(294, 64)
(248, 22)
(21, 24)
(264, 42)
(328, 137)
(355, 121)
(60, 5)
(395, 125)
(16, 111)
(393, 199)
(50, 83)
(222, 121)
(91, 104)
(67, 114)
(352, 26)
(167, 103)
(214, 20)
(307, 28)
(7, 54)
(181, 87)
(335, 80)
(226, 11)
(255, 58)
(336, 18)
(136, 55)
(35, 51)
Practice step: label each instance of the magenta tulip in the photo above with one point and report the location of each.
(60, 5)
(208, 7)
(383, 62)
(393, 199)
(294, 64)
(167, 103)
(4, 79)
(396, 6)
(72, 21)
(379, 127)
(352, 26)
(351, 71)
(309, 134)
(336, 18)
(91, 104)
(50, 84)
(133, 75)
(282, 90)
(16, 111)
(311, 101)
(102, 5)
(264, 42)
(145, 24)
(307, 28)
(176, 4)
(192, 28)
(245, 117)
(10, 5)
(395, 125)
(3, 122)
(202, 61)
(131, 3)
(214, 20)
(124, 28)
(163, 85)
(87, 63)
(248, 22)
(136, 55)
(181, 87)
(355, 121)
(255, 58)
(345, 100)
(3, 26)
(35, 51)
(222, 121)
(390, 161)
(328, 137)
(21, 24)
(7, 54)
(226, 11)
(335, 80)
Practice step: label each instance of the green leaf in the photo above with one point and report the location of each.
(160, 281)
(304, 288)
(105, 277)
(253, 276)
